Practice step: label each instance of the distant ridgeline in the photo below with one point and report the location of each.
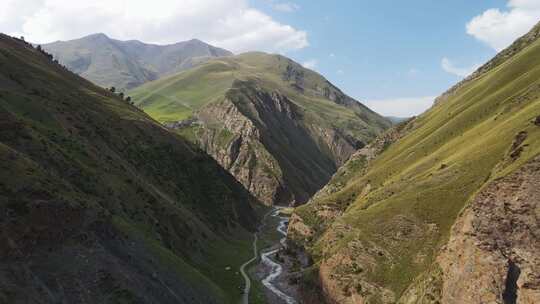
(127, 64)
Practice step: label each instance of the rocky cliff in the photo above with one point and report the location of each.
(280, 129)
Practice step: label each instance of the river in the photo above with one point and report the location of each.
(266, 257)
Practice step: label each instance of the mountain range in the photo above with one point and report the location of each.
(126, 64)
(162, 198)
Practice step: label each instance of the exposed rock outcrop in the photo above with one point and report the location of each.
(492, 255)
(269, 143)
(281, 129)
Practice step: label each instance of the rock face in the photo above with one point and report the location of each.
(280, 129)
(493, 252)
(269, 149)
(127, 64)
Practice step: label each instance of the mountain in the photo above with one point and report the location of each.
(127, 64)
(442, 208)
(101, 204)
(280, 129)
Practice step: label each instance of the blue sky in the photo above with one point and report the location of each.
(388, 50)
(395, 56)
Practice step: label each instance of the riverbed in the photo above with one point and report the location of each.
(270, 266)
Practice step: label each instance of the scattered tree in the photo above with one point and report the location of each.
(121, 95)
(128, 99)
(112, 89)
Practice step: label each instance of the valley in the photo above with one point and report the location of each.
(135, 172)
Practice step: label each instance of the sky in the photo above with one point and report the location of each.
(394, 56)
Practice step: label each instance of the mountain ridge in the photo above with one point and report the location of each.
(410, 218)
(296, 127)
(127, 64)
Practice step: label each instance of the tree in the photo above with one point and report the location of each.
(39, 48)
(128, 99)
(112, 89)
(121, 94)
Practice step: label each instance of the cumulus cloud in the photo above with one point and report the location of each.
(499, 28)
(231, 24)
(310, 64)
(287, 7)
(449, 67)
(401, 107)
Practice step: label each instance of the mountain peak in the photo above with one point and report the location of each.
(96, 36)
(127, 64)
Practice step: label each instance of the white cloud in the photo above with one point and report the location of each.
(332, 55)
(231, 24)
(401, 107)
(448, 66)
(310, 64)
(287, 7)
(499, 28)
(340, 72)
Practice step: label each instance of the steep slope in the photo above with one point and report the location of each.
(280, 129)
(127, 64)
(101, 204)
(443, 208)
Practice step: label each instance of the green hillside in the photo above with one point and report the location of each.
(266, 119)
(386, 219)
(101, 204)
(179, 96)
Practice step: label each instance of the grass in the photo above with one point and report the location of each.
(176, 97)
(425, 179)
(277, 102)
(65, 140)
(179, 96)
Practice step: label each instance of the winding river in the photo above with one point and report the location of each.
(276, 268)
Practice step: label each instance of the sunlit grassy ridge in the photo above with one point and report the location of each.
(179, 96)
(404, 204)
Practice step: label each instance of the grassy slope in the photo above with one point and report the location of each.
(65, 141)
(178, 96)
(427, 177)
